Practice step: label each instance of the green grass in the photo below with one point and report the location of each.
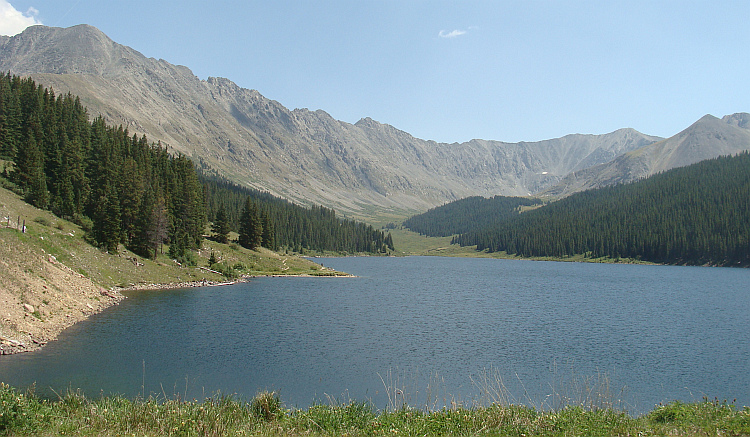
(411, 243)
(23, 414)
(48, 234)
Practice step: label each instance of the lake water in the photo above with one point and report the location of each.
(433, 328)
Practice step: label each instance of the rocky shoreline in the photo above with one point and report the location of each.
(28, 340)
(32, 332)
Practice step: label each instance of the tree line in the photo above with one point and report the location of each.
(693, 215)
(294, 227)
(468, 214)
(124, 190)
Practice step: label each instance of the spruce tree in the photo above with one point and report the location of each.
(107, 232)
(159, 227)
(268, 235)
(251, 229)
(30, 173)
(220, 226)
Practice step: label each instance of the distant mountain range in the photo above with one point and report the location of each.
(707, 138)
(362, 169)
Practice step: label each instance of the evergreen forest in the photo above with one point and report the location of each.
(293, 226)
(467, 215)
(695, 215)
(122, 189)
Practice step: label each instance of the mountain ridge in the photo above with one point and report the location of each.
(303, 155)
(709, 137)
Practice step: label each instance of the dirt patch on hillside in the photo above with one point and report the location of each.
(40, 297)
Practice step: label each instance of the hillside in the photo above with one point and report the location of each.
(696, 215)
(469, 214)
(52, 278)
(707, 138)
(364, 169)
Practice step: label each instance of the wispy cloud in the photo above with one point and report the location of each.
(452, 33)
(13, 22)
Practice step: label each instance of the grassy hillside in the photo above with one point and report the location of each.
(51, 277)
(695, 215)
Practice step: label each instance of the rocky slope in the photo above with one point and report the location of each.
(707, 138)
(306, 156)
(39, 295)
(51, 277)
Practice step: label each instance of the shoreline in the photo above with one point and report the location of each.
(28, 342)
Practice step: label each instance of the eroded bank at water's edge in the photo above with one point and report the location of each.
(41, 297)
(52, 278)
(26, 327)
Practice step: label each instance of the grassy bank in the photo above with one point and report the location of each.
(24, 414)
(411, 243)
(51, 277)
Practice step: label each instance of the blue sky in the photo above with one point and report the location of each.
(450, 70)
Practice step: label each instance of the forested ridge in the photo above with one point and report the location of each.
(124, 190)
(693, 215)
(466, 215)
(295, 227)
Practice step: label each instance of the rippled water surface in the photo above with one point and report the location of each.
(428, 326)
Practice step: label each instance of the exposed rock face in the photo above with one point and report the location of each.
(707, 138)
(306, 156)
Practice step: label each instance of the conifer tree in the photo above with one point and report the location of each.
(106, 219)
(220, 226)
(158, 229)
(389, 242)
(141, 241)
(9, 119)
(251, 228)
(30, 172)
(269, 232)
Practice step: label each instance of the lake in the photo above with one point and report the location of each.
(423, 330)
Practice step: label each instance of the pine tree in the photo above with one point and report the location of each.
(269, 232)
(30, 173)
(9, 118)
(220, 226)
(389, 242)
(251, 229)
(106, 231)
(159, 227)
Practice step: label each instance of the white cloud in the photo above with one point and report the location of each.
(13, 22)
(451, 34)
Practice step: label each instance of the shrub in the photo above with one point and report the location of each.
(42, 221)
(266, 406)
(19, 412)
(187, 259)
(84, 222)
(225, 270)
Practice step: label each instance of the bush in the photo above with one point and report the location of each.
(266, 406)
(19, 412)
(84, 222)
(43, 221)
(225, 270)
(187, 259)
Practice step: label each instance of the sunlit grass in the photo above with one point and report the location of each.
(23, 414)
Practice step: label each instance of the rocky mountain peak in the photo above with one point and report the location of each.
(740, 119)
(81, 49)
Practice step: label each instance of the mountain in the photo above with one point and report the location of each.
(707, 138)
(697, 214)
(305, 156)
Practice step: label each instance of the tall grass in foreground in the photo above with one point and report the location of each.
(73, 414)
